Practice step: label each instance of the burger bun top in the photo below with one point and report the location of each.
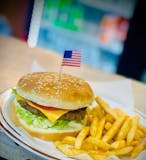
(47, 89)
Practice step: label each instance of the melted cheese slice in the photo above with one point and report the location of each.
(52, 115)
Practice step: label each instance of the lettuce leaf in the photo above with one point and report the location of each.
(38, 121)
(14, 91)
(61, 124)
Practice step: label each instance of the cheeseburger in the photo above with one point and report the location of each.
(51, 108)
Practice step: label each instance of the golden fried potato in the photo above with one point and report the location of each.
(132, 131)
(100, 128)
(106, 107)
(137, 149)
(122, 134)
(81, 136)
(94, 126)
(113, 130)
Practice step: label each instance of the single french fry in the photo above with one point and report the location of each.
(102, 145)
(98, 111)
(108, 125)
(81, 136)
(124, 129)
(113, 130)
(137, 150)
(136, 137)
(75, 152)
(119, 112)
(100, 128)
(69, 140)
(96, 156)
(106, 107)
(142, 128)
(94, 126)
(132, 131)
(68, 151)
(102, 152)
(109, 118)
(88, 120)
(63, 148)
(98, 151)
(135, 142)
(88, 146)
(123, 152)
(139, 134)
(118, 144)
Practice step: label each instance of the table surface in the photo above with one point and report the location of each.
(16, 60)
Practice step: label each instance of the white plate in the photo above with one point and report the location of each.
(37, 146)
(40, 147)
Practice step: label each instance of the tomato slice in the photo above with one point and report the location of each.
(44, 107)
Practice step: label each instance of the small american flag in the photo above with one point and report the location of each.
(71, 58)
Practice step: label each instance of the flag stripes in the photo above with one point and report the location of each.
(71, 58)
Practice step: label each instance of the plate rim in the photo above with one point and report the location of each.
(22, 143)
(13, 132)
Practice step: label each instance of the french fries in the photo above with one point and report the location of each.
(108, 132)
(69, 140)
(123, 151)
(99, 143)
(137, 150)
(142, 128)
(119, 112)
(100, 128)
(68, 151)
(118, 144)
(108, 125)
(132, 130)
(124, 129)
(97, 155)
(106, 107)
(97, 111)
(113, 130)
(80, 137)
(135, 142)
(94, 126)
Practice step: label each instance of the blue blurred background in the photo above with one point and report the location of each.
(98, 28)
(94, 27)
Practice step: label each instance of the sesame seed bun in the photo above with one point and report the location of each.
(46, 89)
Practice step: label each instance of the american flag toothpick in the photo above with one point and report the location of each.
(70, 58)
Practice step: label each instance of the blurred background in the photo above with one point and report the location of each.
(110, 33)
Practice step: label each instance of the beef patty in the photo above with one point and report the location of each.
(76, 115)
